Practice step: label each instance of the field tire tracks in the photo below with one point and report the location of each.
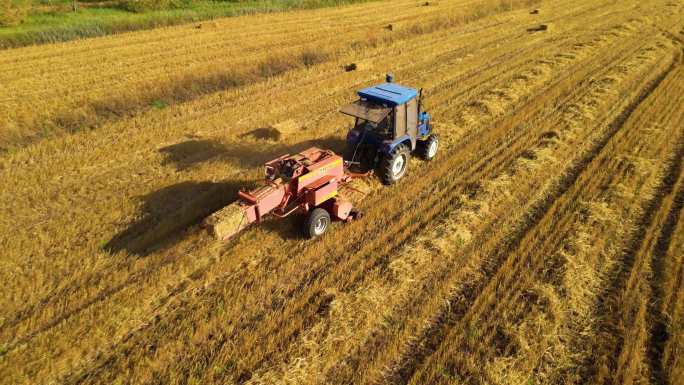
(460, 301)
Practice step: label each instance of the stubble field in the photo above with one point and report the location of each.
(544, 244)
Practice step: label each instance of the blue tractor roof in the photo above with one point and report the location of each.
(391, 93)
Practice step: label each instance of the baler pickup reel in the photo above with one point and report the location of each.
(307, 182)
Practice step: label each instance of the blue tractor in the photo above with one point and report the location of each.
(390, 125)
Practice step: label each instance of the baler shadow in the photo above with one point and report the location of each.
(246, 154)
(289, 228)
(292, 227)
(166, 213)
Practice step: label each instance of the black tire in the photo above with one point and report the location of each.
(427, 149)
(393, 166)
(316, 223)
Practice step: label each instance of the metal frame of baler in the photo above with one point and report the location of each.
(301, 199)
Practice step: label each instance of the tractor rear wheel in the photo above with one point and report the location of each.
(427, 149)
(316, 223)
(394, 165)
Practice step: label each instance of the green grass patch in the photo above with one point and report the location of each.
(159, 104)
(54, 21)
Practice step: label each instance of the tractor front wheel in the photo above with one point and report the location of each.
(394, 165)
(316, 223)
(427, 149)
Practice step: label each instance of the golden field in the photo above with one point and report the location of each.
(543, 245)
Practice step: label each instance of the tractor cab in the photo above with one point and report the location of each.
(372, 117)
(389, 125)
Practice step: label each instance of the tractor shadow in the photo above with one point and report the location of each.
(167, 213)
(263, 133)
(248, 153)
(186, 154)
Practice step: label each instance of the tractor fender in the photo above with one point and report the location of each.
(389, 146)
(424, 130)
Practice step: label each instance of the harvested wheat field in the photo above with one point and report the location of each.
(543, 245)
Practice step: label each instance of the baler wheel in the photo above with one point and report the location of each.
(393, 166)
(316, 223)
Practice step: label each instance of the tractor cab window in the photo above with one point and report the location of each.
(371, 116)
(383, 128)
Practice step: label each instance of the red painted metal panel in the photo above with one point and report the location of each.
(332, 166)
(250, 213)
(268, 198)
(317, 196)
(341, 209)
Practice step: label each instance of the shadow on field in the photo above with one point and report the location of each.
(166, 213)
(287, 228)
(263, 133)
(187, 154)
(538, 28)
(246, 154)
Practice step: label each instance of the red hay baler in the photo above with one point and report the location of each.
(307, 182)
